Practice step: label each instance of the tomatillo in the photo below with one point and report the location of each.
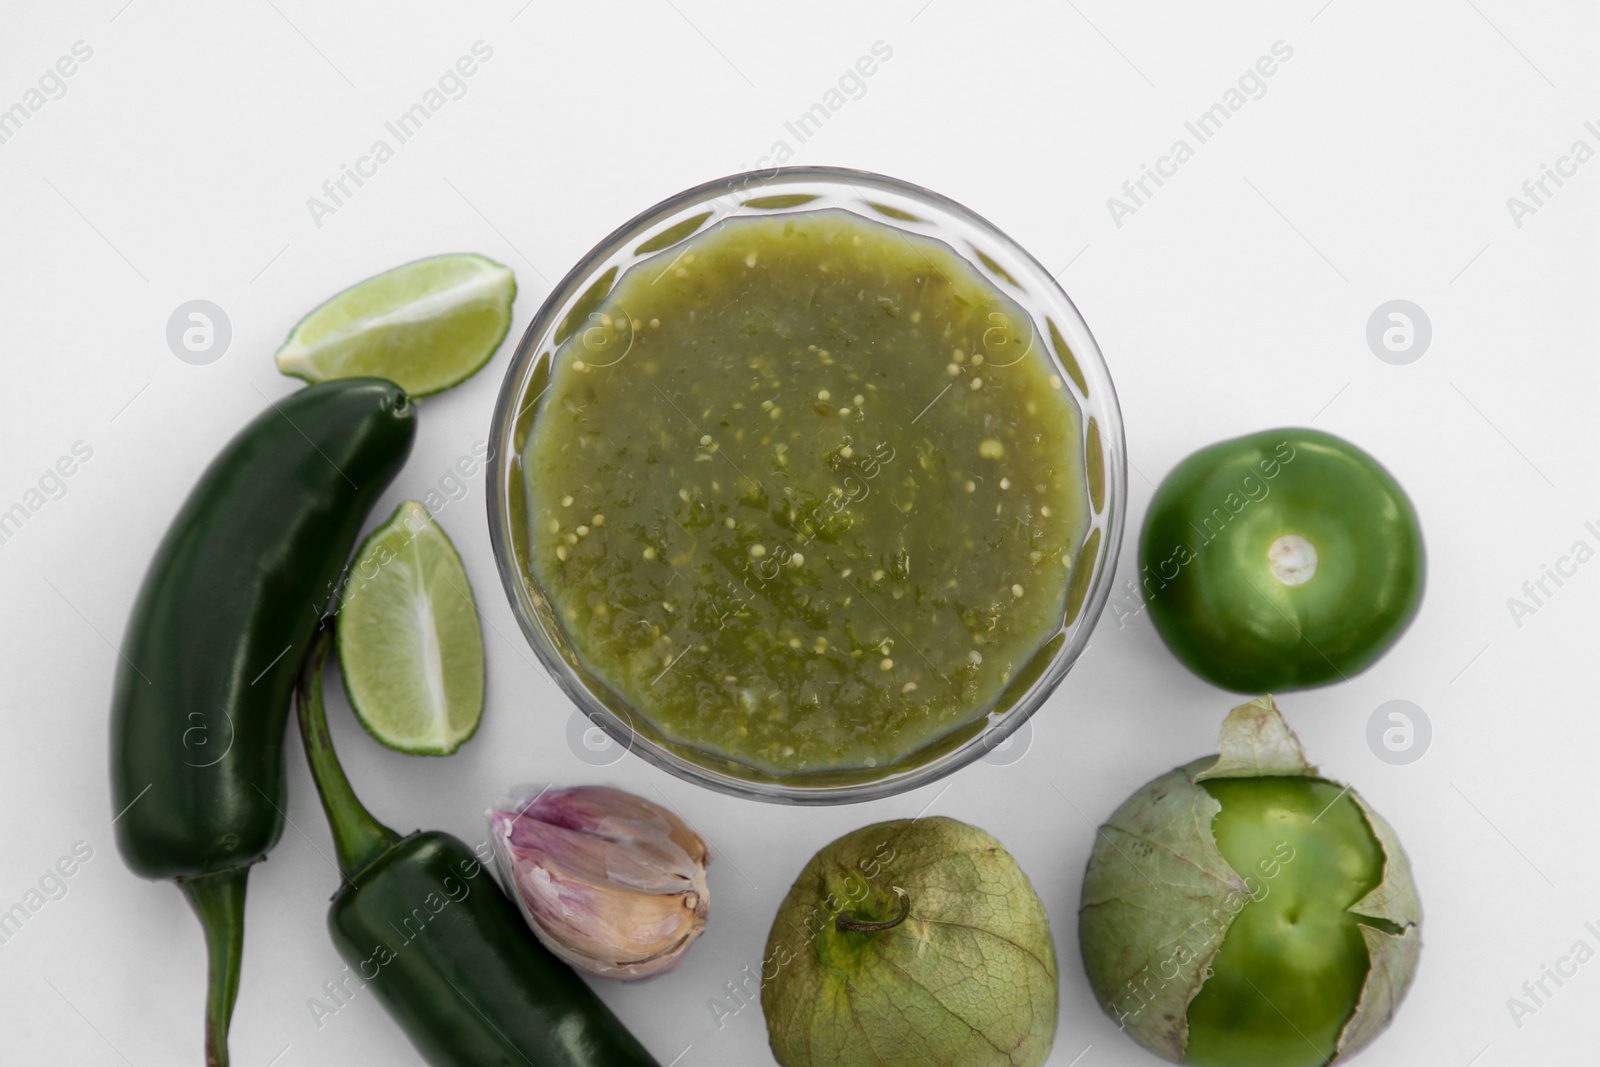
(1243, 911)
(1280, 560)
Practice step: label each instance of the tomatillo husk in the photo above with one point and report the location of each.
(1243, 911)
(911, 943)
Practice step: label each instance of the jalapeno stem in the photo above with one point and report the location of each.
(849, 923)
(218, 901)
(358, 838)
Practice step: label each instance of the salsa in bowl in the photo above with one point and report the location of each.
(806, 485)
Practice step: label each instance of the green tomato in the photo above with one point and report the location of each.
(1287, 978)
(1280, 560)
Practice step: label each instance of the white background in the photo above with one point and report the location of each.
(1376, 166)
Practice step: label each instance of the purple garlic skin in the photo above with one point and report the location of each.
(611, 883)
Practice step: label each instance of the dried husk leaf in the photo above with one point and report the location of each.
(1394, 956)
(1257, 743)
(1156, 905)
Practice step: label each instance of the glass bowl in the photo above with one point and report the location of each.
(1059, 333)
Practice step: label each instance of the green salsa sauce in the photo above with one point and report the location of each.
(805, 492)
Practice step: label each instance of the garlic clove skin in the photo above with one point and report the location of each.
(611, 883)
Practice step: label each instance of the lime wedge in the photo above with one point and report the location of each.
(410, 648)
(425, 326)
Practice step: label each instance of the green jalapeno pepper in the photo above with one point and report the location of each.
(214, 642)
(445, 950)
(1280, 560)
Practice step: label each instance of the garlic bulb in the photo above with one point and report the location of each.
(611, 883)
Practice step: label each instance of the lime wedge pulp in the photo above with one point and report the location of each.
(425, 326)
(410, 648)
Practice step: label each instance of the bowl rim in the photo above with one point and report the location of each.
(503, 427)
